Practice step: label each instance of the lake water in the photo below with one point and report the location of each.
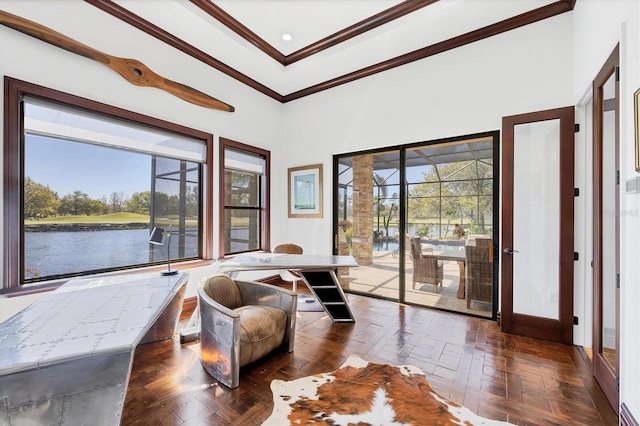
(55, 253)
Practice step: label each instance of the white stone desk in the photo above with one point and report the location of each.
(67, 358)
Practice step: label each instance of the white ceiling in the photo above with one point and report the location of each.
(311, 20)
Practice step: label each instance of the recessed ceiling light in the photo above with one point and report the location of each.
(287, 37)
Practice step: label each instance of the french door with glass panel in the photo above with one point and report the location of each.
(606, 229)
(537, 224)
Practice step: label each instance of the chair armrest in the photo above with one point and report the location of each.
(219, 340)
(428, 256)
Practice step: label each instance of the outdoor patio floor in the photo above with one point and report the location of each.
(382, 279)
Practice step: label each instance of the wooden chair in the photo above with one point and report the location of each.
(288, 248)
(426, 268)
(479, 273)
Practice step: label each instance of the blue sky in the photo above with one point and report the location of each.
(99, 171)
(95, 170)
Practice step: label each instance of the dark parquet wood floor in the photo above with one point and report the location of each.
(467, 360)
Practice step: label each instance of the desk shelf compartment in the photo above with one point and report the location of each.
(326, 288)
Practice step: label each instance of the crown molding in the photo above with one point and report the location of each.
(518, 21)
(217, 13)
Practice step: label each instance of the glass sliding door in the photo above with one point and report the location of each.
(368, 190)
(444, 204)
(449, 226)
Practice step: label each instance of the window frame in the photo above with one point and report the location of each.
(265, 195)
(13, 163)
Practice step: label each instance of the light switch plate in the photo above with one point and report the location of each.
(633, 185)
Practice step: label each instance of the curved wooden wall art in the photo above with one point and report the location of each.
(132, 70)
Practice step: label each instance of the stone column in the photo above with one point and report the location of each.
(343, 250)
(362, 236)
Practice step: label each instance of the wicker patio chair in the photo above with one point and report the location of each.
(479, 274)
(426, 268)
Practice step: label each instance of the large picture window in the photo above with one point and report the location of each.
(88, 184)
(244, 197)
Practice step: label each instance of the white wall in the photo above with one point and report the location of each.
(459, 92)
(28, 59)
(598, 27)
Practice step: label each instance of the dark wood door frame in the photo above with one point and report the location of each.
(560, 330)
(604, 374)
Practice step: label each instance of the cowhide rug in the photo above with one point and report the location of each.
(364, 393)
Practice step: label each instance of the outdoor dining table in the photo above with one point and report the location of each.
(457, 255)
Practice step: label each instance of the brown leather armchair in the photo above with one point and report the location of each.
(426, 268)
(241, 321)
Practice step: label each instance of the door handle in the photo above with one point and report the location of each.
(509, 251)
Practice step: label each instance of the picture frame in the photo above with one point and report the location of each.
(305, 191)
(636, 121)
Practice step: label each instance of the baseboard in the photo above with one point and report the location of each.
(626, 418)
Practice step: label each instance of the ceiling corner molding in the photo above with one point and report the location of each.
(518, 21)
(136, 21)
(236, 26)
(388, 15)
(359, 28)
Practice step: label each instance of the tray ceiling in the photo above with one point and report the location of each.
(333, 42)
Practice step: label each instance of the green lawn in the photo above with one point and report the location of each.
(103, 218)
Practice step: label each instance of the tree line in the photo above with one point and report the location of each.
(450, 193)
(40, 201)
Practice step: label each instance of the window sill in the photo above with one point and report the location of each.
(45, 286)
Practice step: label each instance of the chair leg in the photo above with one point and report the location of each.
(294, 286)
